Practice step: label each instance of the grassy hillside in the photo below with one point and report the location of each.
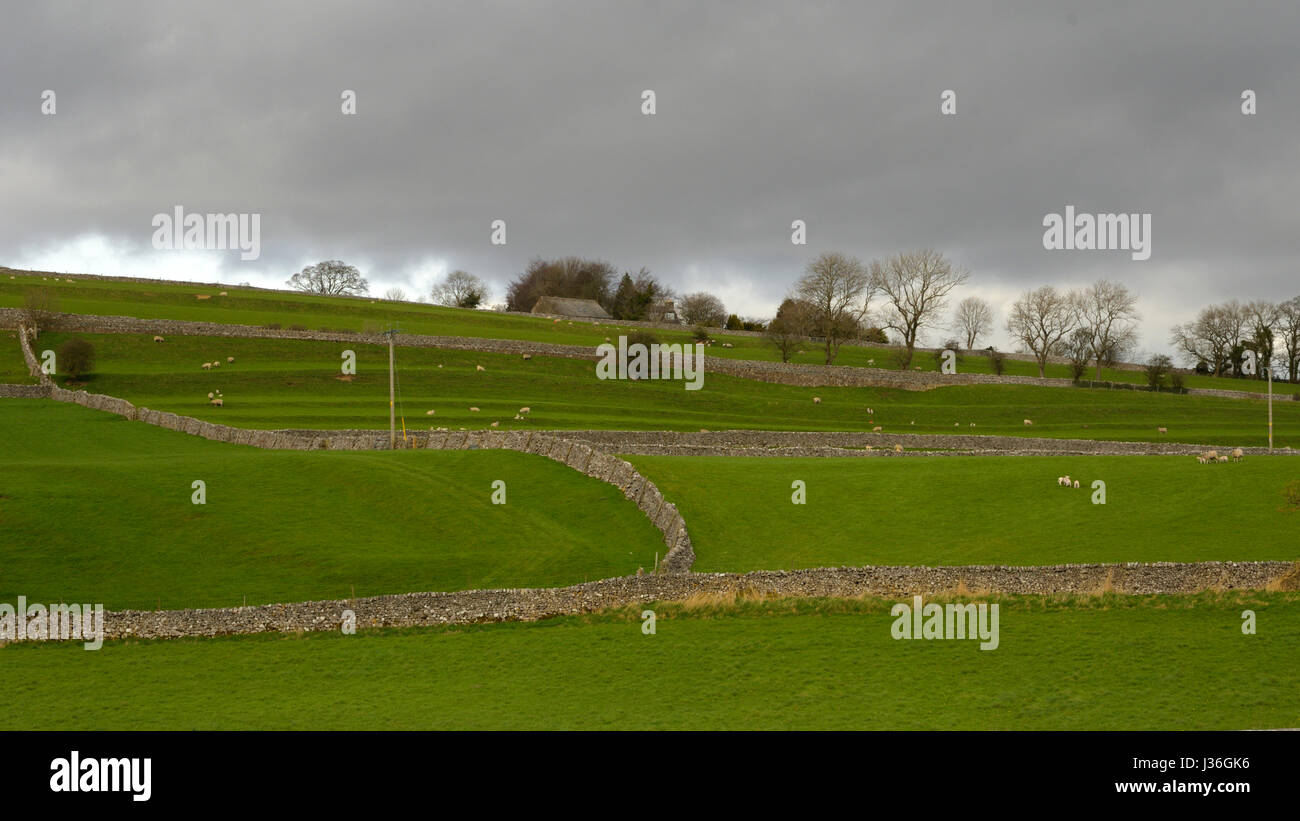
(12, 367)
(296, 384)
(251, 306)
(1101, 664)
(977, 510)
(94, 508)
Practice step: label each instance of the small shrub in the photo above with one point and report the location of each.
(1291, 496)
(701, 334)
(76, 357)
(997, 362)
(643, 337)
(273, 326)
(1178, 381)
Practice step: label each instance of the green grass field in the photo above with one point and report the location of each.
(977, 510)
(250, 306)
(1108, 663)
(94, 508)
(295, 384)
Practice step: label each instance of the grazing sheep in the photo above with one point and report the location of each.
(517, 416)
(207, 366)
(473, 410)
(223, 293)
(956, 424)
(479, 368)
(898, 448)
(230, 359)
(157, 339)
(869, 361)
(1200, 460)
(1029, 422)
(1238, 454)
(1076, 484)
(606, 339)
(727, 345)
(525, 410)
(203, 296)
(817, 400)
(868, 447)
(528, 356)
(1212, 455)
(1223, 459)
(209, 394)
(876, 429)
(1060, 480)
(216, 364)
(1162, 430)
(913, 422)
(494, 424)
(217, 402)
(972, 424)
(429, 413)
(870, 412)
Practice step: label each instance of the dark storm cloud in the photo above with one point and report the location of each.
(767, 113)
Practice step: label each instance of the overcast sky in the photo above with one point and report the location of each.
(530, 112)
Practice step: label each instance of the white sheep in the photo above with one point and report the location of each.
(817, 400)
(157, 339)
(1212, 455)
(1238, 454)
(473, 410)
(1029, 422)
(870, 412)
(217, 402)
(898, 448)
(479, 368)
(230, 359)
(1162, 430)
(1076, 484)
(494, 424)
(525, 410)
(207, 366)
(216, 364)
(972, 424)
(871, 361)
(429, 413)
(527, 356)
(1200, 460)
(876, 429)
(1223, 459)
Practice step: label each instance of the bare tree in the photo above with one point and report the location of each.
(1210, 338)
(395, 294)
(1261, 321)
(702, 308)
(916, 287)
(1041, 319)
(1288, 329)
(331, 277)
(40, 306)
(789, 327)
(1078, 347)
(973, 319)
(1108, 310)
(839, 290)
(460, 290)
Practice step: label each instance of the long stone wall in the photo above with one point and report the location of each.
(425, 609)
(578, 455)
(758, 370)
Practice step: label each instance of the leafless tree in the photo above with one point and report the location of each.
(702, 308)
(839, 290)
(1108, 310)
(1041, 319)
(973, 319)
(395, 294)
(1288, 329)
(1210, 338)
(1261, 327)
(331, 277)
(40, 307)
(460, 289)
(916, 287)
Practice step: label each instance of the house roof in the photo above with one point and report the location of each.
(565, 306)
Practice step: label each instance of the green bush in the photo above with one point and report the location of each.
(76, 357)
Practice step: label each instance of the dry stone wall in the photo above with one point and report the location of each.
(782, 373)
(426, 609)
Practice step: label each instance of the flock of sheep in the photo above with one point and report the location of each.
(1210, 457)
(1066, 481)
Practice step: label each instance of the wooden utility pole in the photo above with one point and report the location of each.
(392, 409)
(1270, 409)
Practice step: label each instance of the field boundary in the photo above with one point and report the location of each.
(782, 373)
(532, 604)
